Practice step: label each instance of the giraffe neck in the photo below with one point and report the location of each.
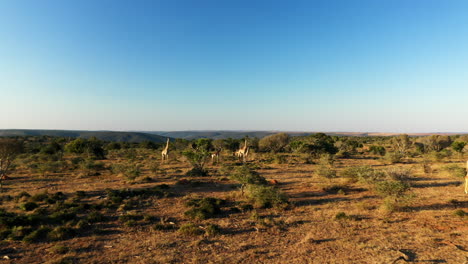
(167, 144)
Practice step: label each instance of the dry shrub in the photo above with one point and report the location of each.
(364, 174)
(399, 173)
(455, 170)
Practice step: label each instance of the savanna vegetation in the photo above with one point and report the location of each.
(296, 199)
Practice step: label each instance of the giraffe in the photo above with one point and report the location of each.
(215, 155)
(165, 152)
(243, 152)
(466, 179)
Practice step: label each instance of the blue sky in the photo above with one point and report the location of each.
(390, 66)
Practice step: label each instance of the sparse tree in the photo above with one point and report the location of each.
(230, 144)
(435, 142)
(274, 143)
(320, 143)
(198, 156)
(92, 147)
(401, 144)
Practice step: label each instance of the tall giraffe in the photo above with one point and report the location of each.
(165, 152)
(243, 152)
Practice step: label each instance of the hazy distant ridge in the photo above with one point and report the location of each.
(160, 136)
(102, 135)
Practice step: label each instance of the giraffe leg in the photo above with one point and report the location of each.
(466, 184)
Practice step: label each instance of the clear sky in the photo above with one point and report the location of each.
(349, 65)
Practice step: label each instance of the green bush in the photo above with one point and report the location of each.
(212, 230)
(22, 194)
(326, 172)
(246, 175)
(40, 234)
(341, 216)
(455, 170)
(61, 233)
(60, 249)
(204, 208)
(130, 171)
(80, 194)
(197, 172)
(91, 168)
(274, 143)
(128, 217)
(460, 213)
(266, 196)
(394, 157)
(392, 188)
(335, 189)
(95, 217)
(377, 150)
(440, 155)
(28, 206)
(190, 230)
(279, 159)
(326, 159)
(40, 197)
(19, 232)
(164, 226)
(364, 174)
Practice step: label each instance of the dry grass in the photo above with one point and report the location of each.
(426, 230)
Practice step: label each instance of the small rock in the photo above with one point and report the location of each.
(6, 257)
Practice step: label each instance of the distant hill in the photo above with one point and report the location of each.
(220, 134)
(236, 134)
(102, 135)
(212, 134)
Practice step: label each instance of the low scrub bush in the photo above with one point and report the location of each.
(197, 172)
(335, 189)
(326, 172)
(438, 156)
(267, 196)
(393, 157)
(212, 230)
(364, 174)
(40, 234)
(28, 206)
(95, 217)
(129, 171)
(343, 216)
(130, 217)
(398, 174)
(327, 159)
(60, 249)
(280, 159)
(190, 230)
(61, 233)
(455, 170)
(117, 196)
(392, 188)
(204, 208)
(91, 167)
(460, 213)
